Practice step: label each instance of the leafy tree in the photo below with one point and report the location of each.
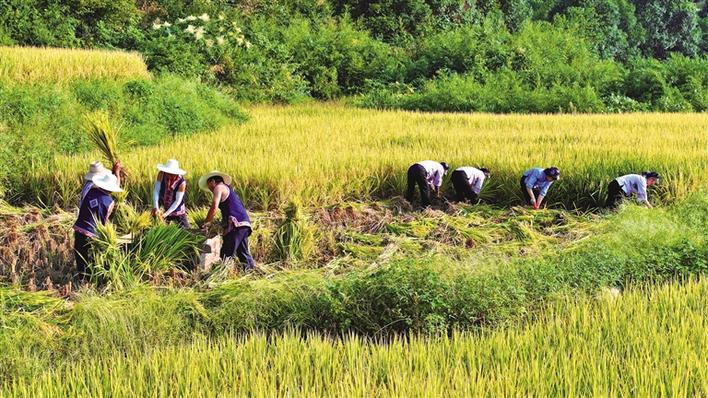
(610, 26)
(670, 26)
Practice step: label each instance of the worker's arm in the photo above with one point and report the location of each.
(156, 194)
(532, 196)
(642, 196)
(110, 210)
(179, 196)
(539, 201)
(117, 168)
(214, 206)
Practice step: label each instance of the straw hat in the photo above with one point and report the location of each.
(107, 182)
(203, 180)
(171, 167)
(96, 169)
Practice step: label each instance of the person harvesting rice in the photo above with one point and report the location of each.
(97, 169)
(535, 183)
(235, 220)
(627, 185)
(428, 175)
(468, 182)
(96, 206)
(168, 192)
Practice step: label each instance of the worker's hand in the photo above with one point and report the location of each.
(155, 212)
(117, 167)
(205, 227)
(533, 203)
(535, 206)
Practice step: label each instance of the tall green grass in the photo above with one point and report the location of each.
(647, 342)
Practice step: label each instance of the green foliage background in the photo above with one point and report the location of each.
(501, 55)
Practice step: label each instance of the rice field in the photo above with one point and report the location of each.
(27, 65)
(644, 342)
(326, 153)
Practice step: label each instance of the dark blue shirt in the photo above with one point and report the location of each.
(94, 206)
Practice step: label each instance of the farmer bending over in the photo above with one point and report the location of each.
(168, 192)
(237, 225)
(96, 205)
(468, 182)
(630, 184)
(427, 175)
(535, 183)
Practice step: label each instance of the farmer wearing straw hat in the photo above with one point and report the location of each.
(535, 183)
(97, 169)
(629, 184)
(168, 192)
(467, 182)
(96, 205)
(236, 223)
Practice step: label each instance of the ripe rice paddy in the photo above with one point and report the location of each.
(326, 153)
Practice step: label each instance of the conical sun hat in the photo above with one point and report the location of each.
(96, 169)
(171, 167)
(107, 182)
(203, 180)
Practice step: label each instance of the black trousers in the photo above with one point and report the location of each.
(82, 253)
(417, 176)
(615, 194)
(463, 190)
(236, 243)
(527, 197)
(182, 221)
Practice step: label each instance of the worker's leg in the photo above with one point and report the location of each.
(459, 181)
(524, 192)
(242, 248)
(182, 221)
(614, 194)
(82, 253)
(410, 190)
(228, 245)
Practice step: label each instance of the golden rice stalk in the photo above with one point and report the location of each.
(103, 134)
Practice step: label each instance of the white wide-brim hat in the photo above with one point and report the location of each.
(107, 182)
(203, 180)
(171, 167)
(96, 169)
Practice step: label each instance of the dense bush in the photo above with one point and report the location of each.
(287, 51)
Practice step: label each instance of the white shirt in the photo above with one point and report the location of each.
(475, 177)
(434, 172)
(634, 183)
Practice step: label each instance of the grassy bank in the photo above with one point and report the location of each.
(325, 153)
(46, 94)
(584, 346)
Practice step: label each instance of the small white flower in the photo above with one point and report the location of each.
(166, 24)
(156, 26)
(204, 17)
(191, 18)
(221, 17)
(220, 40)
(199, 33)
(190, 29)
(237, 30)
(180, 20)
(209, 42)
(248, 44)
(239, 40)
